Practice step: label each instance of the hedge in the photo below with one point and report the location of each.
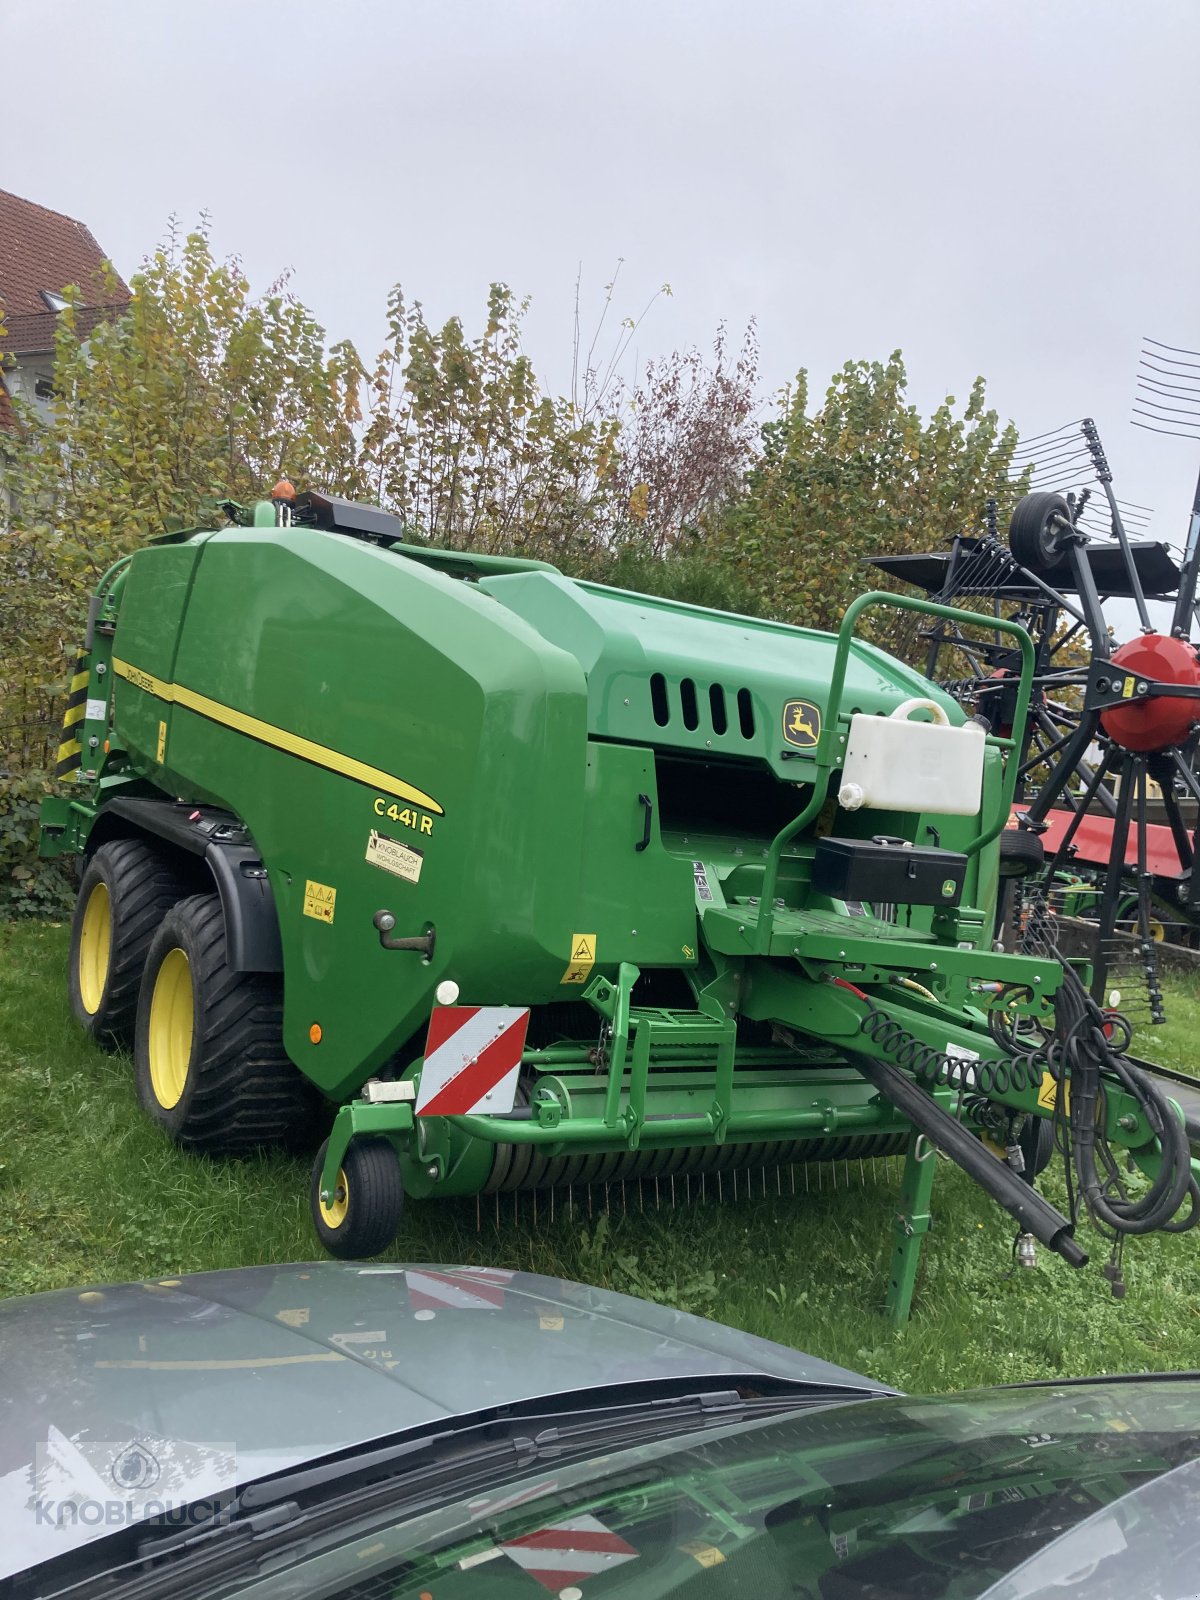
(29, 886)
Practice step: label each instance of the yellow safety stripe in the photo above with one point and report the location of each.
(292, 744)
(70, 751)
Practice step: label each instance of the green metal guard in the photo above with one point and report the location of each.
(832, 738)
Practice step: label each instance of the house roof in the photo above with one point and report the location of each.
(43, 252)
(34, 335)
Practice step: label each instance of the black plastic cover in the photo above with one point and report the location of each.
(888, 871)
(347, 516)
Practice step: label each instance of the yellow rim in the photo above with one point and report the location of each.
(172, 1015)
(334, 1214)
(95, 948)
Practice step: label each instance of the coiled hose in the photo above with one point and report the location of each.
(1021, 1069)
(1080, 1050)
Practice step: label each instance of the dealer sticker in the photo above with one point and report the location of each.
(401, 860)
(966, 1073)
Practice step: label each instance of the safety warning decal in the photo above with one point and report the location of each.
(472, 1058)
(319, 900)
(706, 1555)
(582, 958)
(703, 888)
(402, 860)
(801, 724)
(1048, 1093)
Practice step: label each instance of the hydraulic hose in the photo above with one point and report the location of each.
(1008, 1188)
(1083, 1050)
(1080, 1051)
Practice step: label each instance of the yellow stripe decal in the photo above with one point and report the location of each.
(73, 715)
(79, 681)
(144, 680)
(281, 738)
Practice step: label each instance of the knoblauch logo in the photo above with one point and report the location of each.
(81, 1483)
(135, 1468)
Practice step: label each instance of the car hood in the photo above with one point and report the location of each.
(119, 1401)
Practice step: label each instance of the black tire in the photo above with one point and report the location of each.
(1034, 535)
(1036, 1139)
(208, 1051)
(1022, 853)
(131, 885)
(366, 1210)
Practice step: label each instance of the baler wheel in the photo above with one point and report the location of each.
(364, 1212)
(1034, 534)
(126, 890)
(1022, 853)
(208, 1051)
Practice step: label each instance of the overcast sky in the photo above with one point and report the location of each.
(995, 186)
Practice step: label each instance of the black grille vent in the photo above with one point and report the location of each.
(685, 706)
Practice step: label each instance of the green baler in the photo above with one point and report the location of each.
(327, 784)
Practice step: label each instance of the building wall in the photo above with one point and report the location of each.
(24, 376)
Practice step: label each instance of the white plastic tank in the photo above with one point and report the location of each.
(893, 764)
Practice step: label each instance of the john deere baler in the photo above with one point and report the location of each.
(543, 882)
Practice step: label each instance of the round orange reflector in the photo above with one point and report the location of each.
(283, 490)
(315, 1034)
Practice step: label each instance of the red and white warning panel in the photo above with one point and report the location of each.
(472, 1058)
(568, 1552)
(468, 1289)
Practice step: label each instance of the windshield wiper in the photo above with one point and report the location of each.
(418, 1473)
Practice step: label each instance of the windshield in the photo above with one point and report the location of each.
(887, 1498)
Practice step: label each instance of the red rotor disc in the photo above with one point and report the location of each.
(1146, 725)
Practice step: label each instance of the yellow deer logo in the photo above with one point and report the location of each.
(801, 724)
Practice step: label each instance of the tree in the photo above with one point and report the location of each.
(863, 475)
(197, 390)
(464, 446)
(687, 440)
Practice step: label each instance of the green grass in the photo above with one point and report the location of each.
(89, 1192)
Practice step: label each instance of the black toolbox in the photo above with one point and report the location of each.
(888, 871)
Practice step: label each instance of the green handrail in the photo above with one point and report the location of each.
(826, 743)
